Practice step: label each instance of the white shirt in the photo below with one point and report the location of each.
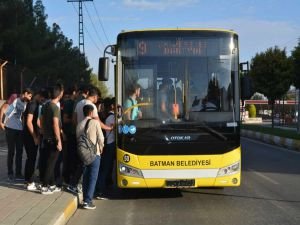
(79, 109)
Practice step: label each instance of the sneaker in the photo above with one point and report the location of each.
(31, 187)
(38, 186)
(54, 188)
(46, 191)
(72, 189)
(90, 205)
(100, 197)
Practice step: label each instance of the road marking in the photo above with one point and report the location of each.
(264, 177)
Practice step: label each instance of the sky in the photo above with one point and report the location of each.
(260, 24)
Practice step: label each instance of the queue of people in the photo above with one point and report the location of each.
(47, 124)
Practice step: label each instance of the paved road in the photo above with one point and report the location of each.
(269, 194)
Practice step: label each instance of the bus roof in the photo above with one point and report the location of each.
(179, 29)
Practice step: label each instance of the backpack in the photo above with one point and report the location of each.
(85, 147)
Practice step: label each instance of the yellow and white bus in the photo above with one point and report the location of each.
(188, 132)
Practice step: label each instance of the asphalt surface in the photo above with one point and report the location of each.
(269, 194)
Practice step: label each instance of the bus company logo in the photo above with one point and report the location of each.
(125, 129)
(126, 158)
(132, 129)
(181, 138)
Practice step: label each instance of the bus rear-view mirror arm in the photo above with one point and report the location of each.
(103, 67)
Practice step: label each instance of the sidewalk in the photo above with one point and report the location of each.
(289, 143)
(19, 206)
(270, 139)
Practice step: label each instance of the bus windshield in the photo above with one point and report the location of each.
(179, 79)
(183, 83)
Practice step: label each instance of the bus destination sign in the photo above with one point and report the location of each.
(177, 47)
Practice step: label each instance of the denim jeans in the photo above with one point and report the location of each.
(90, 175)
(14, 140)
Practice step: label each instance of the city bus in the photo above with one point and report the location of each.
(186, 133)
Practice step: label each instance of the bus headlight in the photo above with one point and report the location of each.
(229, 170)
(130, 171)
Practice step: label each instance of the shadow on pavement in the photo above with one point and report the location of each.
(143, 193)
(234, 196)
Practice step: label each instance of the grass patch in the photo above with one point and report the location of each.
(272, 131)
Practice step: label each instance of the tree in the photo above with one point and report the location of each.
(101, 85)
(271, 73)
(258, 96)
(295, 58)
(38, 52)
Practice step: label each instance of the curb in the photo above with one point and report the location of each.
(68, 212)
(275, 140)
(60, 211)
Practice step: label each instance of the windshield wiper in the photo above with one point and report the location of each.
(213, 132)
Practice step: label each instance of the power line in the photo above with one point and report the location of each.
(101, 23)
(98, 35)
(285, 44)
(80, 33)
(88, 32)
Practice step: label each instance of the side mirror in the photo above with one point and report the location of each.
(103, 71)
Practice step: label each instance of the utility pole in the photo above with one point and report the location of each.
(80, 33)
(246, 89)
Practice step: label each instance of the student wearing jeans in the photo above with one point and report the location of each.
(78, 116)
(90, 172)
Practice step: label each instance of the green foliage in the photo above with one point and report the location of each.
(41, 51)
(271, 73)
(257, 96)
(295, 57)
(286, 133)
(252, 110)
(101, 85)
